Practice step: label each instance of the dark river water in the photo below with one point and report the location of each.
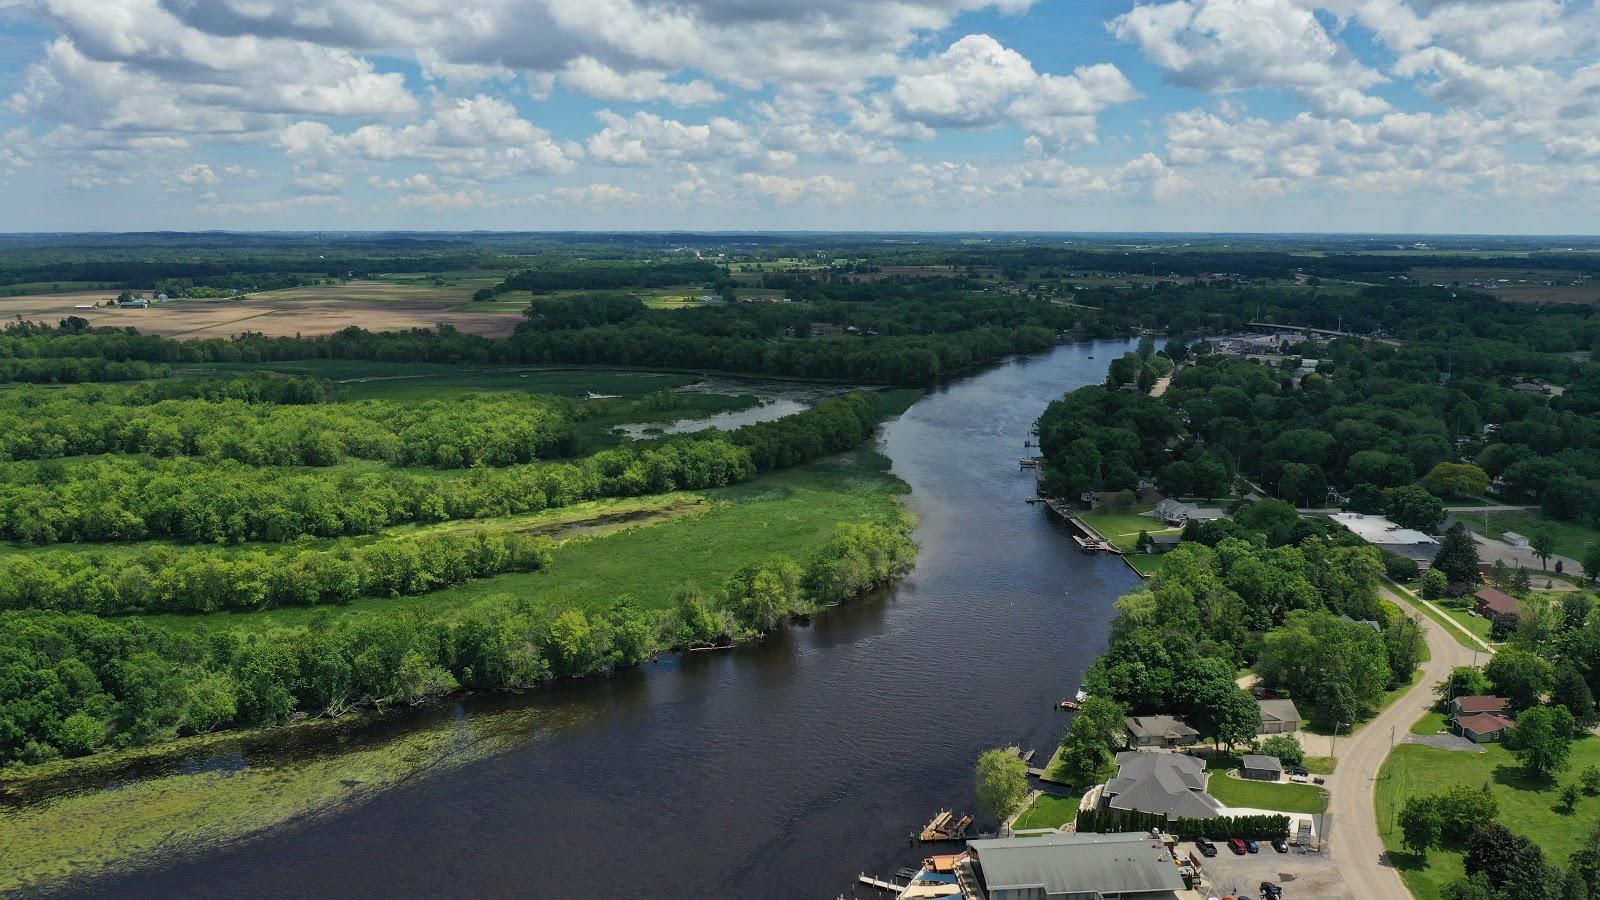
(777, 770)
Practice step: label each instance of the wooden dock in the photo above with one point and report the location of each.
(880, 884)
(1088, 540)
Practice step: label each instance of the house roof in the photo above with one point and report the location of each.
(1483, 723)
(1259, 761)
(1278, 711)
(1498, 601)
(1480, 703)
(1381, 531)
(1170, 784)
(1074, 864)
(1159, 727)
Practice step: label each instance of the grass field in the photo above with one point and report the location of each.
(1529, 808)
(1122, 528)
(1048, 811)
(1290, 798)
(791, 513)
(1521, 283)
(1147, 564)
(1571, 538)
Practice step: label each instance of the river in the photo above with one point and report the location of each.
(777, 770)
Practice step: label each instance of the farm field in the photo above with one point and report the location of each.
(1521, 284)
(375, 306)
(1528, 807)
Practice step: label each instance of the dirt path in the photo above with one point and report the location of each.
(1353, 835)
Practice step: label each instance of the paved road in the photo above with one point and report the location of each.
(1353, 838)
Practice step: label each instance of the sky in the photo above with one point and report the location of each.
(1446, 116)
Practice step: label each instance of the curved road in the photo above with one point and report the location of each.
(1353, 841)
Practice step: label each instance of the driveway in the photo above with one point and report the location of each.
(1352, 821)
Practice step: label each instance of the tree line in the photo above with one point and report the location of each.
(474, 430)
(72, 684)
(225, 501)
(162, 579)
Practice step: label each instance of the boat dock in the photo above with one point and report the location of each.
(880, 884)
(1089, 540)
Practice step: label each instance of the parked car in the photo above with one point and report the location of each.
(1237, 846)
(1206, 848)
(1251, 846)
(1317, 780)
(1270, 891)
(1297, 770)
(1299, 779)
(1280, 845)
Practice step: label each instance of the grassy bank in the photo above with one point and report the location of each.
(1047, 811)
(1532, 808)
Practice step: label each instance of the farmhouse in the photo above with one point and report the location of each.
(1159, 731)
(1134, 866)
(1278, 717)
(1169, 784)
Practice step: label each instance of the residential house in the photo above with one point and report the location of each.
(1168, 784)
(1132, 866)
(1176, 513)
(1161, 543)
(1478, 704)
(1492, 603)
(1483, 728)
(1257, 767)
(1159, 731)
(1278, 717)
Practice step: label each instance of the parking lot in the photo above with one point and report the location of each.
(1300, 874)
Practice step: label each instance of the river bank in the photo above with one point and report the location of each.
(1000, 615)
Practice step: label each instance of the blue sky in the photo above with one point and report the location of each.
(1241, 115)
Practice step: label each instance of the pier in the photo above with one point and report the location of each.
(1089, 540)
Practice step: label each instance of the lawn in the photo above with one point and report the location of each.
(1048, 811)
(1530, 808)
(1289, 798)
(1122, 528)
(790, 513)
(1571, 538)
(1146, 564)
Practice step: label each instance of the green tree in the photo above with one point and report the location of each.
(1463, 681)
(1286, 747)
(1570, 690)
(1520, 676)
(1413, 507)
(1589, 778)
(1421, 825)
(1543, 541)
(1591, 561)
(1569, 797)
(1449, 479)
(1458, 559)
(1435, 585)
(1002, 782)
(1465, 809)
(1542, 740)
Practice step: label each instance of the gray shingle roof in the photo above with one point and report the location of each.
(1170, 784)
(1258, 761)
(1278, 710)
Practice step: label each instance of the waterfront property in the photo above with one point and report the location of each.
(1177, 514)
(1133, 865)
(1278, 717)
(1169, 784)
(1159, 732)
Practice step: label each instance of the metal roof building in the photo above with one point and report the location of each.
(1059, 866)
